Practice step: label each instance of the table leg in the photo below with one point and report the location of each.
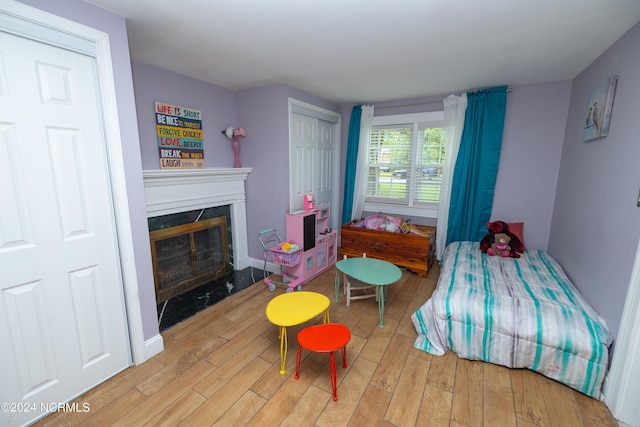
(337, 284)
(283, 348)
(333, 374)
(298, 358)
(381, 305)
(344, 357)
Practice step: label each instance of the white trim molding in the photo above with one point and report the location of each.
(621, 387)
(153, 346)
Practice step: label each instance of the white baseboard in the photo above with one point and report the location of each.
(259, 265)
(242, 263)
(153, 346)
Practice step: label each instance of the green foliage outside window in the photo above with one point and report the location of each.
(392, 171)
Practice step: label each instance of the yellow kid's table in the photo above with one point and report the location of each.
(294, 308)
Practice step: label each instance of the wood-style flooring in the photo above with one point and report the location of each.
(221, 367)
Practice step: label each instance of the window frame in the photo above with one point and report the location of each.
(418, 121)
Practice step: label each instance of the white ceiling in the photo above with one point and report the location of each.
(349, 51)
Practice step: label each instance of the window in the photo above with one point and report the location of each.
(405, 163)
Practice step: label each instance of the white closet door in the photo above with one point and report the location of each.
(62, 316)
(314, 157)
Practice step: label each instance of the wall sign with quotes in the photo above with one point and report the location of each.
(179, 133)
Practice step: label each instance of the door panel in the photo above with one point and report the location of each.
(324, 187)
(62, 315)
(23, 303)
(303, 158)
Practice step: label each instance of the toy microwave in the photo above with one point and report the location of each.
(309, 202)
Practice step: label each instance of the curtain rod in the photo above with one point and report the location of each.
(408, 105)
(417, 103)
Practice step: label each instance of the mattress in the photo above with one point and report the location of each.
(516, 312)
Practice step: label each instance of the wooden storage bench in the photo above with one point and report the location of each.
(412, 251)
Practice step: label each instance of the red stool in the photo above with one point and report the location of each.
(325, 338)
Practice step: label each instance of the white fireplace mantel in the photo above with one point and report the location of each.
(169, 191)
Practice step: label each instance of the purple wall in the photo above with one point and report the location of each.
(264, 112)
(596, 224)
(530, 158)
(92, 16)
(218, 106)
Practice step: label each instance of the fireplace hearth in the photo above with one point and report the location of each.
(179, 308)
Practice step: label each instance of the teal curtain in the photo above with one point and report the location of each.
(474, 176)
(350, 166)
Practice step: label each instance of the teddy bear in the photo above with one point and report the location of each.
(500, 247)
(496, 227)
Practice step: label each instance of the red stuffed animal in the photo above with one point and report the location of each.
(497, 227)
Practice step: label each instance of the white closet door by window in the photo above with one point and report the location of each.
(314, 157)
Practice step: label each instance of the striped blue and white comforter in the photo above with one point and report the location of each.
(520, 313)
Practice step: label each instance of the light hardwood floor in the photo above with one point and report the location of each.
(221, 367)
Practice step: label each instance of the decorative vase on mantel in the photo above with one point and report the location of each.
(233, 134)
(235, 144)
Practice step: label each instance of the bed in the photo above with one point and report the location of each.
(516, 312)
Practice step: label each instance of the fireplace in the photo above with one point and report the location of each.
(188, 255)
(192, 197)
(174, 191)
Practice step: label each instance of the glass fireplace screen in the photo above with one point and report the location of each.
(189, 255)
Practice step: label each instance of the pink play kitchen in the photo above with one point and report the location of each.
(310, 229)
(310, 247)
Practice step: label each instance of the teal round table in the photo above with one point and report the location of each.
(372, 272)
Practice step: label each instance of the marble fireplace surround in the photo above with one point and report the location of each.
(169, 191)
